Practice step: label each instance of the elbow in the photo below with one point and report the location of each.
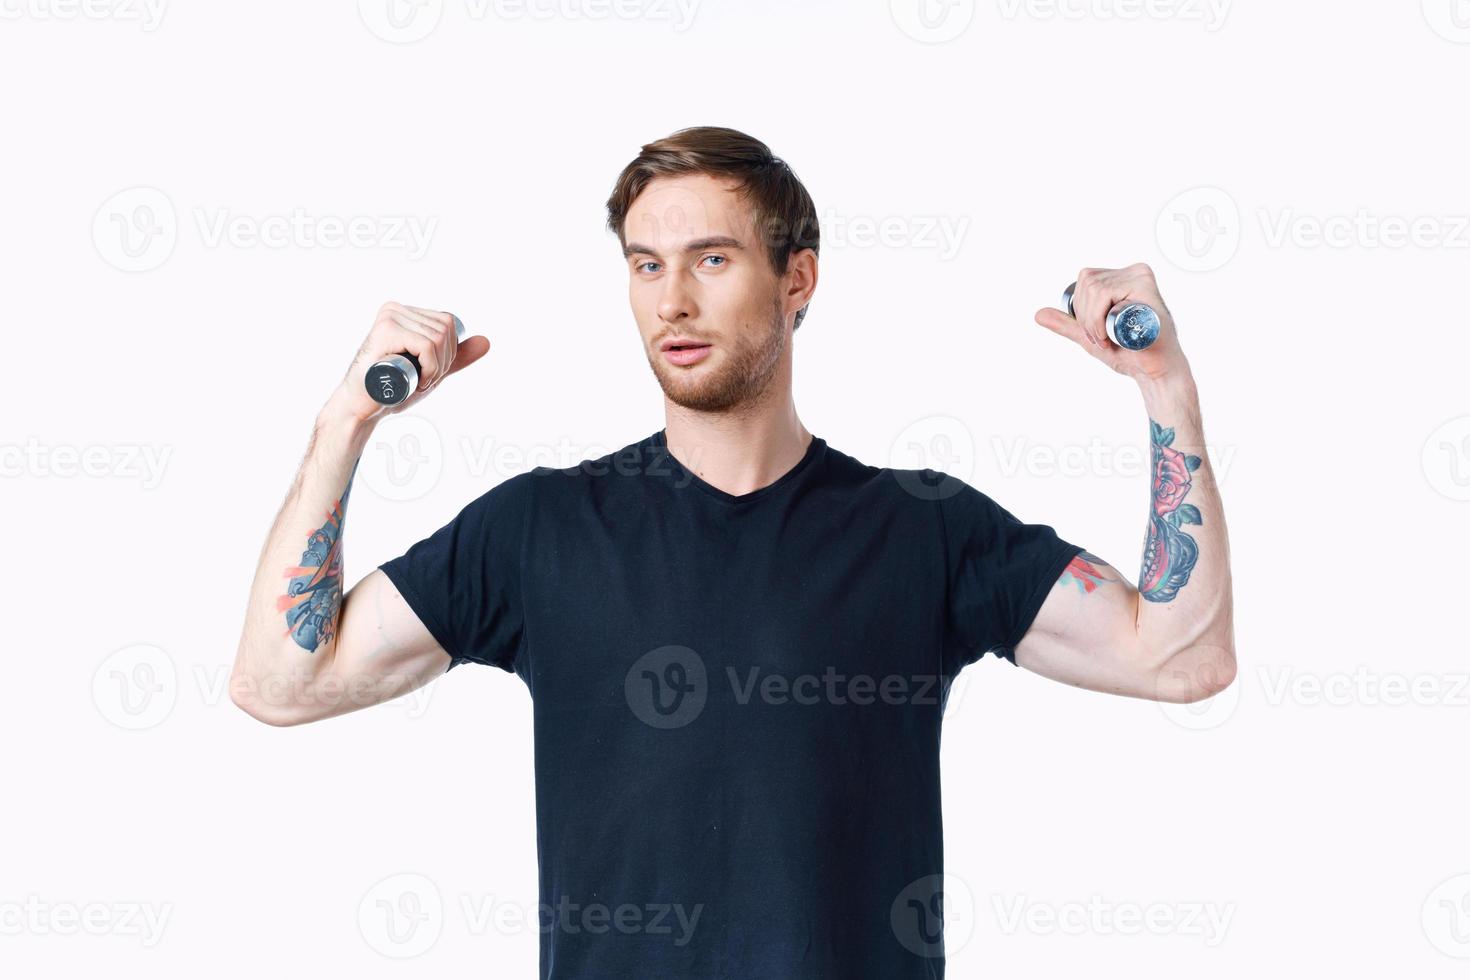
(1197, 674)
(245, 696)
(1214, 681)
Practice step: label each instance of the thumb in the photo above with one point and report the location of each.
(1059, 322)
(470, 350)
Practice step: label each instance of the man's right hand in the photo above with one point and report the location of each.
(426, 334)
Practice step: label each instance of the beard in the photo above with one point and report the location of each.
(747, 366)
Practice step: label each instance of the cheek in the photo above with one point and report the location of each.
(644, 304)
(732, 296)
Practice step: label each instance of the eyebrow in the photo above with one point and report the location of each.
(698, 245)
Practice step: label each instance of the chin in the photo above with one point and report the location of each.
(707, 393)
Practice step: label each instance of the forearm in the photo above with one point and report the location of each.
(1185, 602)
(291, 619)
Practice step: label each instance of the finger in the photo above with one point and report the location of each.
(440, 321)
(471, 349)
(422, 344)
(443, 326)
(431, 325)
(1093, 301)
(1143, 287)
(1058, 322)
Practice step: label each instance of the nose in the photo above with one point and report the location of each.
(676, 300)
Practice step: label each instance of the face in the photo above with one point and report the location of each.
(700, 280)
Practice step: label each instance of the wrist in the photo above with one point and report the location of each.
(1174, 390)
(339, 425)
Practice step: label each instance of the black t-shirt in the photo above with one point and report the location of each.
(737, 699)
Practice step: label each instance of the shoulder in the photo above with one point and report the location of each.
(960, 513)
(509, 500)
(922, 489)
(592, 477)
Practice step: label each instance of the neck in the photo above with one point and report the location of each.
(742, 449)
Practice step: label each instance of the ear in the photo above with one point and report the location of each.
(800, 279)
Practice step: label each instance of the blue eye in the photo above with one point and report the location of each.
(720, 257)
(643, 265)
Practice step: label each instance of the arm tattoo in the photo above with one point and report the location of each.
(1169, 555)
(314, 594)
(1088, 571)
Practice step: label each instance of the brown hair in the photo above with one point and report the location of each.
(784, 215)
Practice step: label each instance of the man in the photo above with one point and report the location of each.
(738, 639)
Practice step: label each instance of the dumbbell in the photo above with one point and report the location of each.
(394, 378)
(1132, 326)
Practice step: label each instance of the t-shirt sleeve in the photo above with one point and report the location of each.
(464, 580)
(999, 571)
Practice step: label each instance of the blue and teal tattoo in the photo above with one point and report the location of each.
(1169, 555)
(314, 593)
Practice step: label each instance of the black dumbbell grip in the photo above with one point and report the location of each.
(393, 379)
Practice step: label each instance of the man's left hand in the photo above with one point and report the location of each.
(1098, 292)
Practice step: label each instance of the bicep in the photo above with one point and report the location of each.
(383, 649)
(1086, 633)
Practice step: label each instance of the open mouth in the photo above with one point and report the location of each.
(681, 343)
(684, 352)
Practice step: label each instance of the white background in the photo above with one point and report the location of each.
(1318, 808)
